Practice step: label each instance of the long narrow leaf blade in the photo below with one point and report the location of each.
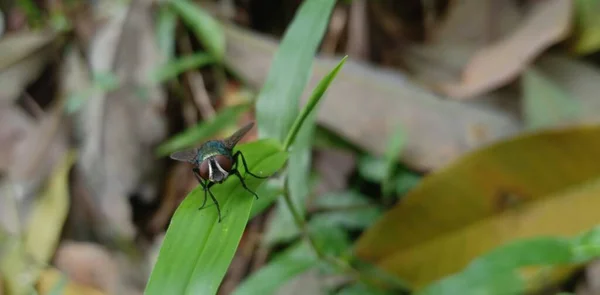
(278, 102)
(292, 262)
(206, 28)
(197, 250)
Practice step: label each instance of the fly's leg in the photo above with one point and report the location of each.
(237, 173)
(239, 153)
(202, 183)
(214, 199)
(206, 188)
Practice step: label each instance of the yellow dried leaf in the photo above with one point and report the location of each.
(537, 184)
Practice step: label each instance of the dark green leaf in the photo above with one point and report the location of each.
(202, 131)
(332, 240)
(197, 250)
(358, 218)
(405, 182)
(207, 29)
(290, 263)
(372, 168)
(392, 154)
(278, 101)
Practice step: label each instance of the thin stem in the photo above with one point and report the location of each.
(302, 226)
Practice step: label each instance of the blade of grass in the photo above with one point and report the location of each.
(197, 250)
(295, 260)
(278, 101)
(203, 130)
(291, 208)
(314, 99)
(204, 26)
(177, 66)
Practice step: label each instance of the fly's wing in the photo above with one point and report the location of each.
(188, 155)
(232, 140)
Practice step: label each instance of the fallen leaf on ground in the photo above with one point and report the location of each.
(14, 125)
(24, 55)
(50, 278)
(88, 264)
(512, 189)
(27, 254)
(375, 101)
(121, 128)
(493, 66)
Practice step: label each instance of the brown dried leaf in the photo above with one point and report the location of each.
(50, 277)
(495, 65)
(365, 104)
(24, 55)
(122, 127)
(14, 125)
(88, 264)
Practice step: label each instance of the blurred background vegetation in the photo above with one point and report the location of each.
(457, 151)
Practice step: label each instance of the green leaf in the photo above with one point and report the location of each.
(283, 227)
(392, 154)
(268, 193)
(497, 270)
(330, 239)
(352, 210)
(545, 103)
(207, 29)
(202, 130)
(372, 168)
(278, 101)
(405, 182)
(587, 27)
(340, 200)
(313, 100)
(177, 66)
(103, 82)
(197, 249)
(166, 25)
(359, 218)
(290, 263)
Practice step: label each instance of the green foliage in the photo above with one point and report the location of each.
(175, 67)
(206, 28)
(392, 154)
(293, 261)
(314, 99)
(277, 103)
(202, 131)
(545, 103)
(197, 249)
(348, 209)
(497, 271)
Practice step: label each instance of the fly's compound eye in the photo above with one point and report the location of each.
(224, 162)
(204, 172)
